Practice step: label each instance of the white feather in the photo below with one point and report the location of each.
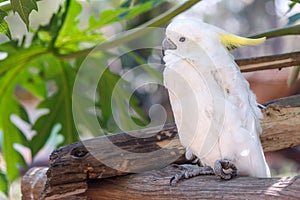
(215, 111)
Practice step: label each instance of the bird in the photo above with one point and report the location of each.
(216, 113)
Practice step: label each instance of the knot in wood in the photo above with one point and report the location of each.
(79, 152)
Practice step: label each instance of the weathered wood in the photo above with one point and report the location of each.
(155, 185)
(269, 62)
(75, 164)
(33, 183)
(281, 127)
(71, 166)
(281, 124)
(291, 101)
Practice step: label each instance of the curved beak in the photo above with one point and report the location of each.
(167, 44)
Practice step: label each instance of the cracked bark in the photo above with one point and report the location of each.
(75, 172)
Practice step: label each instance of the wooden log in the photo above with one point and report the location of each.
(33, 182)
(278, 61)
(155, 185)
(73, 165)
(279, 131)
(77, 163)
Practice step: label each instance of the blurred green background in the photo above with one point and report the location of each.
(41, 58)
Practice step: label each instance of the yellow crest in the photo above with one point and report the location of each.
(231, 41)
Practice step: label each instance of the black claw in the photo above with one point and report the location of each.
(191, 172)
(171, 180)
(221, 165)
(177, 178)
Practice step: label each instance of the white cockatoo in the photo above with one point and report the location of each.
(215, 111)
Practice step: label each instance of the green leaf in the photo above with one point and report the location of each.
(4, 29)
(18, 56)
(142, 62)
(116, 97)
(291, 6)
(3, 183)
(47, 34)
(37, 72)
(33, 81)
(292, 19)
(123, 13)
(24, 115)
(113, 95)
(11, 135)
(70, 24)
(24, 8)
(60, 110)
(85, 109)
(70, 36)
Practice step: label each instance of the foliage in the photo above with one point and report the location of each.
(53, 57)
(24, 8)
(3, 25)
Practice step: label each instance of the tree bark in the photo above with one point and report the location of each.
(33, 183)
(73, 166)
(155, 185)
(269, 62)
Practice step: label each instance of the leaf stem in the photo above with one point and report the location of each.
(5, 6)
(67, 91)
(162, 19)
(131, 34)
(63, 19)
(288, 30)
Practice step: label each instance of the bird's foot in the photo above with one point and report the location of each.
(225, 169)
(191, 157)
(191, 171)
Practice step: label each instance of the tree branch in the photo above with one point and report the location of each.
(155, 185)
(134, 33)
(269, 62)
(73, 165)
(288, 30)
(162, 19)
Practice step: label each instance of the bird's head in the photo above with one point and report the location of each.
(187, 37)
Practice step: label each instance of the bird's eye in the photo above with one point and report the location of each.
(182, 39)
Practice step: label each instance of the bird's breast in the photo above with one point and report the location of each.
(195, 100)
